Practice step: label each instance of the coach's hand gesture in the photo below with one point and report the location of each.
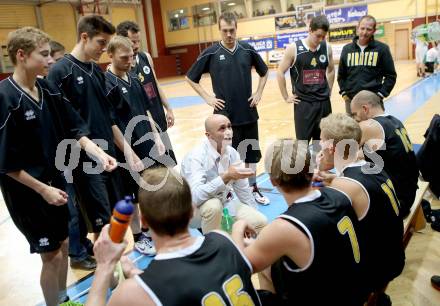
(217, 104)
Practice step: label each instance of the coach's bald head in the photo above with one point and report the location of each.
(213, 121)
(218, 129)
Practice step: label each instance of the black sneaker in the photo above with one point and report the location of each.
(89, 263)
(426, 207)
(435, 281)
(435, 225)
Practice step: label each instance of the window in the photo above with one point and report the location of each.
(178, 19)
(265, 7)
(204, 14)
(234, 6)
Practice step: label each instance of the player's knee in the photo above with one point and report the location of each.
(213, 209)
(52, 257)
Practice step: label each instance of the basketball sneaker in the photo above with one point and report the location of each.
(258, 196)
(145, 245)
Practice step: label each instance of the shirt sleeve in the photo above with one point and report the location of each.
(342, 72)
(200, 67)
(75, 125)
(11, 158)
(241, 187)
(389, 73)
(195, 173)
(258, 63)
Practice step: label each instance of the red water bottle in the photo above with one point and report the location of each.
(120, 219)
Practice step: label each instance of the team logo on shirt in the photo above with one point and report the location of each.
(80, 80)
(124, 90)
(99, 222)
(29, 115)
(301, 48)
(313, 62)
(141, 77)
(322, 58)
(146, 69)
(44, 242)
(222, 57)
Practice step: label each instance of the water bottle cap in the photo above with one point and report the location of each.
(125, 207)
(225, 211)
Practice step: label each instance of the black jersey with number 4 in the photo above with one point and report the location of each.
(84, 85)
(210, 272)
(308, 73)
(333, 276)
(381, 228)
(144, 73)
(230, 72)
(399, 160)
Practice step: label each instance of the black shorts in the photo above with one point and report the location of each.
(307, 116)
(97, 195)
(245, 141)
(45, 226)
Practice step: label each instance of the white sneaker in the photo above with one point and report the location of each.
(145, 246)
(259, 197)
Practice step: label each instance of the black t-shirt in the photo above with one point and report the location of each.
(329, 221)
(129, 100)
(308, 73)
(399, 159)
(231, 78)
(211, 272)
(381, 229)
(84, 85)
(31, 130)
(145, 74)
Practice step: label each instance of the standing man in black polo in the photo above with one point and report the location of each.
(365, 64)
(229, 62)
(143, 68)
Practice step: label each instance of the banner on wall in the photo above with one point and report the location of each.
(264, 44)
(339, 34)
(346, 14)
(285, 39)
(300, 19)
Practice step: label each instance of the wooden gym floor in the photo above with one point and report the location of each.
(19, 279)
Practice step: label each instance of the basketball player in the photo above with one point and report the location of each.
(313, 243)
(229, 63)
(143, 68)
(83, 82)
(187, 270)
(385, 136)
(312, 74)
(34, 118)
(373, 198)
(128, 98)
(57, 50)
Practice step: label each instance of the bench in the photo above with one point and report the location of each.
(415, 220)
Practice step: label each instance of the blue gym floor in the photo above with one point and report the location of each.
(401, 106)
